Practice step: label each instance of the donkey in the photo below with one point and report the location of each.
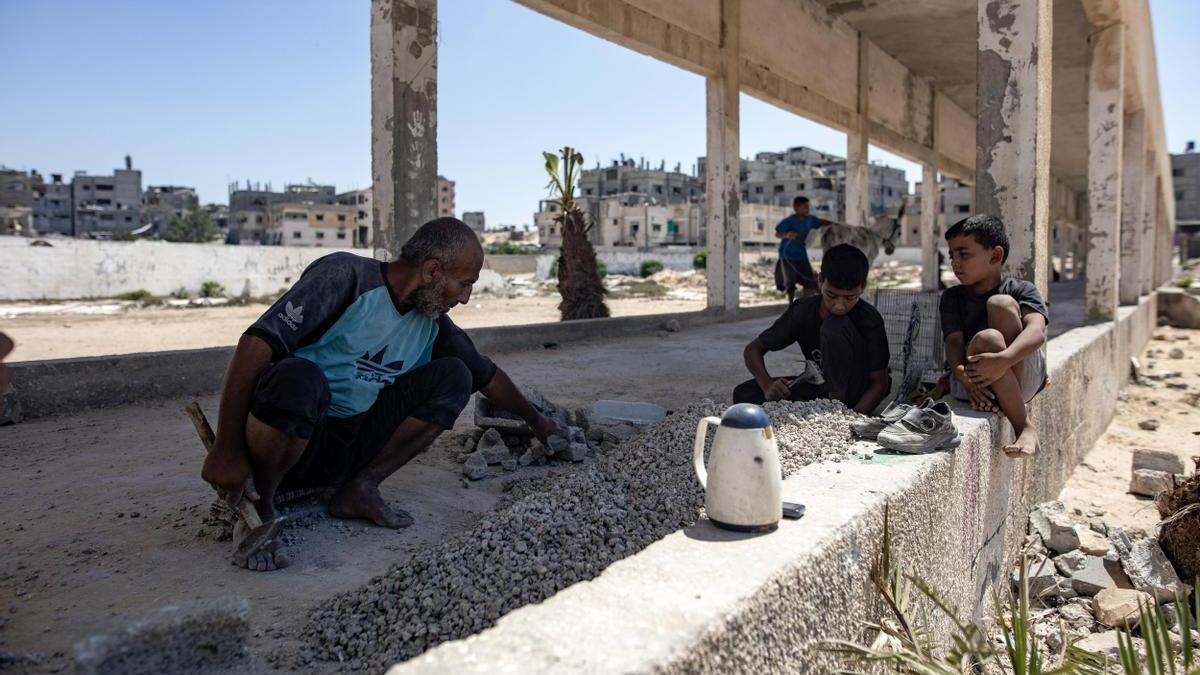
(881, 233)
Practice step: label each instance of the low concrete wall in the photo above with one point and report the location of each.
(626, 261)
(40, 388)
(1182, 308)
(79, 268)
(511, 264)
(708, 601)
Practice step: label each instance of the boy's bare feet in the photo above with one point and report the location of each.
(1026, 444)
(363, 501)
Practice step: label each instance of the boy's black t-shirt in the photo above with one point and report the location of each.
(965, 310)
(801, 324)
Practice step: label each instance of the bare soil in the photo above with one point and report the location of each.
(1101, 482)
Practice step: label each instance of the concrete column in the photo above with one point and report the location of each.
(1146, 235)
(1164, 261)
(1012, 168)
(721, 180)
(1105, 126)
(858, 167)
(1133, 165)
(403, 121)
(930, 232)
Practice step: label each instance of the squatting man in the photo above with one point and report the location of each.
(351, 374)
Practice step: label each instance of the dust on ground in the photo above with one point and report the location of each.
(1101, 482)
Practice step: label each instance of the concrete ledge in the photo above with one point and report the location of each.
(41, 388)
(703, 600)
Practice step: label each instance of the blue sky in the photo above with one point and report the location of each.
(204, 93)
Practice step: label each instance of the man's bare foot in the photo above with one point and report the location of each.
(1026, 444)
(267, 558)
(357, 500)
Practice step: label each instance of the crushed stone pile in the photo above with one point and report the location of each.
(543, 540)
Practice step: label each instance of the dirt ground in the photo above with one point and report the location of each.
(1102, 481)
(100, 511)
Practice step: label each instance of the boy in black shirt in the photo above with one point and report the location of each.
(843, 335)
(995, 329)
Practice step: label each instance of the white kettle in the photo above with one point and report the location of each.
(742, 481)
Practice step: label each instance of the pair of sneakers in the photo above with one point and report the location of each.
(911, 429)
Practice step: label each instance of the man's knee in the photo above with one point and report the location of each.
(292, 397)
(987, 341)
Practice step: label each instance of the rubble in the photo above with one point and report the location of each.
(559, 533)
(1149, 482)
(1098, 574)
(1051, 521)
(1157, 460)
(1148, 568)
(1119, 607)
(1176, 353)
(1149, 424)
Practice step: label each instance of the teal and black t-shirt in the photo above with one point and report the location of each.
(341, 316)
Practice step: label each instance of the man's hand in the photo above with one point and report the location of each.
(545, 427)
(777, 390)
(228, 470)
(984, 369)
(982, 398)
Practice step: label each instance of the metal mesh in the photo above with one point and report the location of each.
(896, 306)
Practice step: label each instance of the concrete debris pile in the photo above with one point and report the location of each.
(543, 541)
(504, 440)
(1086, 579)
(1155, 471)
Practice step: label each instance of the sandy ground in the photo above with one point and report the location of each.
(1102, 481)
(56, 336)
(100, 511)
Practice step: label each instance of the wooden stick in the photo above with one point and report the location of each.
(245, 508)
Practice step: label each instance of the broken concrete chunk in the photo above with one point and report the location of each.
(1118, 607)
(1149, 424)
(536, 454)
(1050, 520)
(1098, 574)
(583, 419)
(1176, 353)
(575, 452)
(1077, 616)
(1148, 482)
(509, 464)
(199, 637)
(1149, 570)
(1040, 575)
(556, 444)
(1105, 644)
(1092, 543)
(492, 447)
(476, 467)
(1158, 460)
(672, 326)
(1070, 562)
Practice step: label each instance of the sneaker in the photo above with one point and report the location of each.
(921, 430)
(869, 428)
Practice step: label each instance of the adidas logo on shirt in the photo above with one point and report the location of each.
(294, 316)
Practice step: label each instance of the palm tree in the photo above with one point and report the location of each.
(579, 281)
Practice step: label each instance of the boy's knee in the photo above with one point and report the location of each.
(1002, 303)
(986, 341)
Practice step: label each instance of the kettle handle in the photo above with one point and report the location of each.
(698, 456)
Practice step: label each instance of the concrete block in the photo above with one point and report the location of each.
(1092, 543)
(492, 447)
(1158, 460)
(1041, 577)
(1070, 562)
(201, 637)
(1119, 607)
(1148, 482)
(1105, 644)
(1051, 521)
(1148, 568)
(1098, 574)
(476, 467)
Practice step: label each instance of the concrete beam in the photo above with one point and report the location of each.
(403, 120)
(1105, 128)
(1146, 234)
(1133, 190)
(858, 166)
(722, 174)
(930, 233)
(1013, 78)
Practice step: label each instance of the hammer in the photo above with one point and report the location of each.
(259, 534)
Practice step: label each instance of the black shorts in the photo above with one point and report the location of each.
(293, 397)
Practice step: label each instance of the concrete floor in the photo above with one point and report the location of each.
(99, 512)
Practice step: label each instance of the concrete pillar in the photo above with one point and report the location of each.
(1146, 235)
(929, 227)
(403, 120)
(1164, 261)
(858, 167)
(1012, 168)
(721, 180)
(1133, 166)
(1105, 126)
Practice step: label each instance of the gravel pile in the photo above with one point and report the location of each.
(543, 541)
